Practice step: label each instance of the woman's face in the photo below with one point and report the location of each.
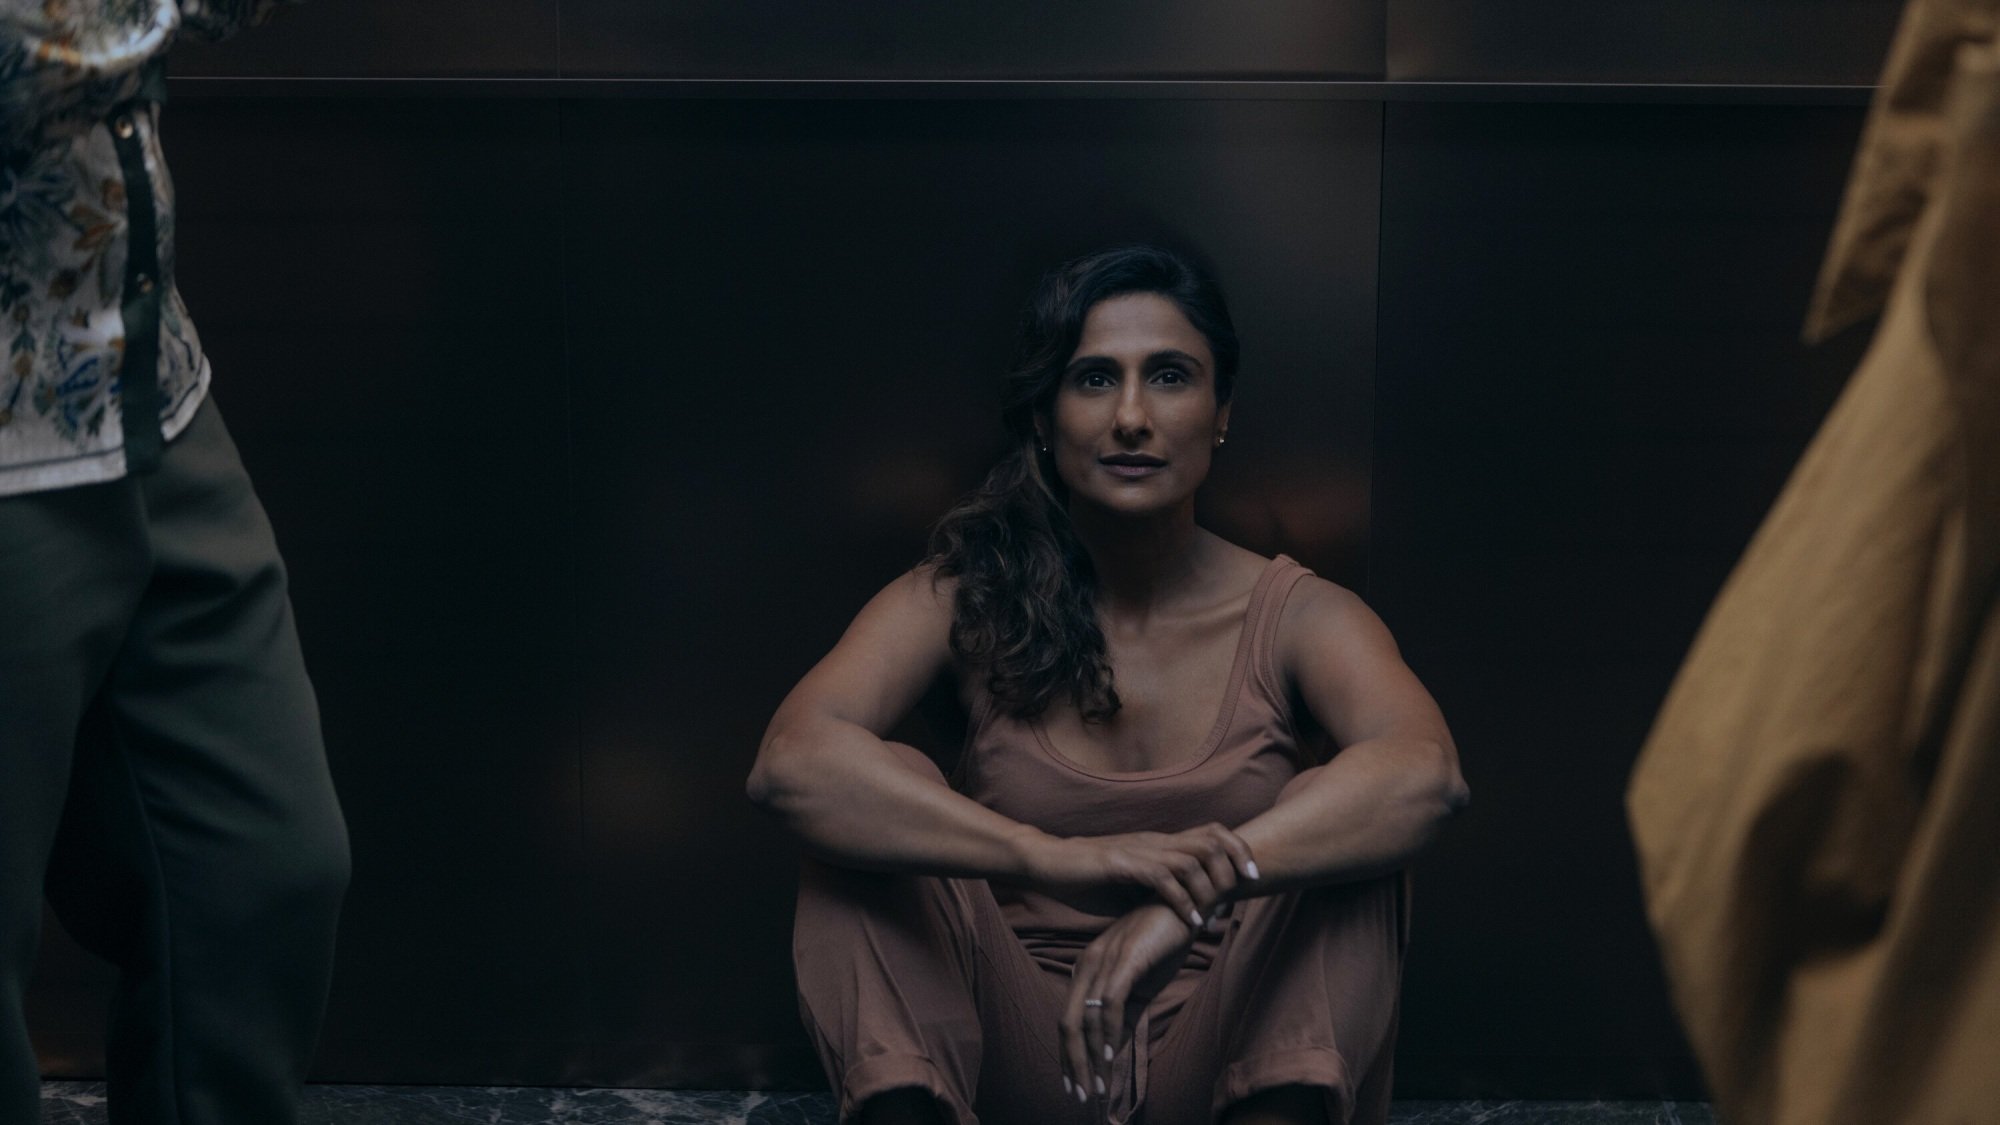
(1135, 420)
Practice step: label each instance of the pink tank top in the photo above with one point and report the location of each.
(1010, 766)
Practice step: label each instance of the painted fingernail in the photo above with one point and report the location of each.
(1080, 1095)
(1195, 915)
(1107, 1052)
(1250, 869)
(1100, 1087)
(1068, 1088)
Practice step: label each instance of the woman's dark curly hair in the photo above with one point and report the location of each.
(1025, 612)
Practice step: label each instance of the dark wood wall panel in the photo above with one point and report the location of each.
(378, 299)
(587, 425)
(580, 453)
(784, 353)
(1735, 41)
(1701, 41)
(377, 293)
(918, 39)
(1590, 389)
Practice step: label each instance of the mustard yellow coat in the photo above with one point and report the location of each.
(1817, 809)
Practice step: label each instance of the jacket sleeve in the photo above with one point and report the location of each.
(210, 21)
(62, 66)
(60, 72)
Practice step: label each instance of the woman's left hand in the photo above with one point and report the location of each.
(1128, 965)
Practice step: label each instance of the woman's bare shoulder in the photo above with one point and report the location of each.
(912, 614)
(1320, 605)
(1326, 624)
(894, 648)
(923, 588)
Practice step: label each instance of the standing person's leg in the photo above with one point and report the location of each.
(1303, 994)
(72, 564)
(202, 849)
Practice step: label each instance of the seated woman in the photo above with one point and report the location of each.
(1138, 896)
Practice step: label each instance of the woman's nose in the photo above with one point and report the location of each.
(1130, 419)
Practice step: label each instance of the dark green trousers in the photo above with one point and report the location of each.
(162, 778)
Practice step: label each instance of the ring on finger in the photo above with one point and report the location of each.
(1093, 1002)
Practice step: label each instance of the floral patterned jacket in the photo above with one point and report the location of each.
(79, 146)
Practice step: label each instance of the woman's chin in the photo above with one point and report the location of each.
(1129, 504)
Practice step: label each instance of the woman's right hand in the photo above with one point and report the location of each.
(1192, 871)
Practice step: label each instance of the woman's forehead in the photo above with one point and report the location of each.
(1137, 325)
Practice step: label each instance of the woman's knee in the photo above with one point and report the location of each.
(829, 893)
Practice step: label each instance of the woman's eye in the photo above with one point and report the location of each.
(1093, 379)
(1170, 375)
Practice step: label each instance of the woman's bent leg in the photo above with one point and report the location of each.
(1303, 992)
(913, 982)
(885, 968)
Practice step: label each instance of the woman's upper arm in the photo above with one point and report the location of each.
(890, 655)
(1349, 672)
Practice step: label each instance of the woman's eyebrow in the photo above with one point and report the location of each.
(1156, 359)
(1173, 355)
(1083, 361)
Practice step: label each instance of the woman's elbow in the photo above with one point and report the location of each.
(773, 783)
(1437, 791)
(759, 787)
(1449, 792)
(1453, 796)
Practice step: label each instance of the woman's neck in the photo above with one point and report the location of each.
(1143, 563)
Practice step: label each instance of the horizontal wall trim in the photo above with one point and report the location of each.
(1002, 88)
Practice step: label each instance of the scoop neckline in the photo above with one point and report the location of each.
(1239, 669)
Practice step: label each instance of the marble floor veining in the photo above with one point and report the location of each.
(82, 1103)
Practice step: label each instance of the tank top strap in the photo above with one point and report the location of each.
(1267, 611)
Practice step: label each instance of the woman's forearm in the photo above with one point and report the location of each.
(1367, 812)
(856, 801)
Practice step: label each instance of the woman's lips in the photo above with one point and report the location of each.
(1131, 468)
